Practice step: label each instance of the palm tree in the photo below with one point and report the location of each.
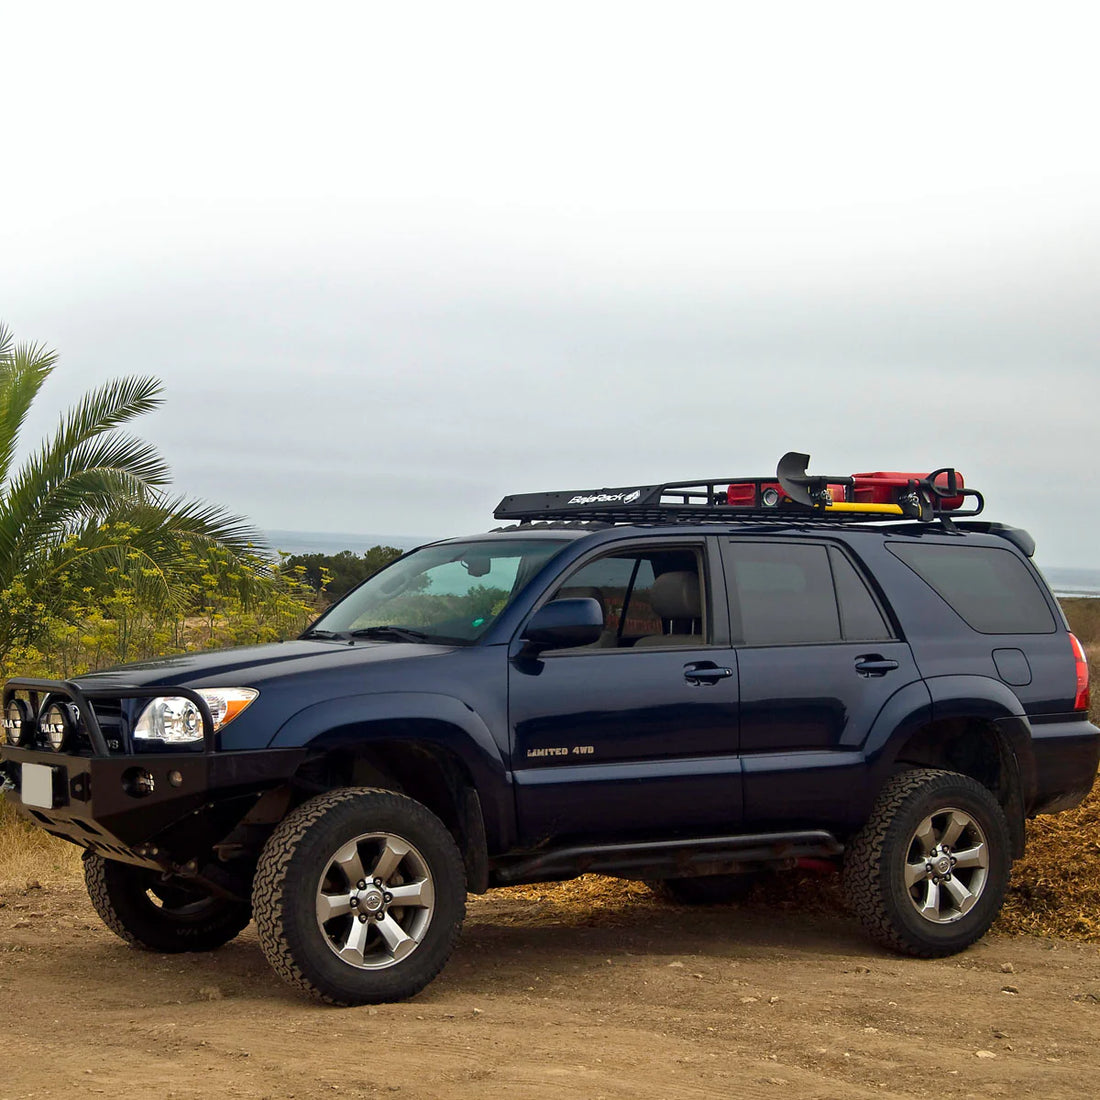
(91, 501)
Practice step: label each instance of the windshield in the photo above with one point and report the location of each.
(447, 593)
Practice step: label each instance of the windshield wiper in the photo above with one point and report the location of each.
(401, 633)
(318, 633)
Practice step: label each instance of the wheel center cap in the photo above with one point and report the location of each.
(371, 899)
(943, 865)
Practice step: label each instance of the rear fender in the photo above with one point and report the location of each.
(969, 699)
(985, 698)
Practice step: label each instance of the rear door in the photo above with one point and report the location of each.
(817, 660)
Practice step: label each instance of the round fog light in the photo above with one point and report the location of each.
(17, 721)
(175, 778)
(56, 725)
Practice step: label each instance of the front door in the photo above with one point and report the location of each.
(636, 735)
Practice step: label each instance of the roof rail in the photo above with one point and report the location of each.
(790, 494)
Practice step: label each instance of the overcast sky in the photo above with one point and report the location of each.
(393, 262)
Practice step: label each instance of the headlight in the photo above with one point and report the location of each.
(177, 720)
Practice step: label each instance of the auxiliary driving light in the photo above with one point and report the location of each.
(17, 722)
(56, 725)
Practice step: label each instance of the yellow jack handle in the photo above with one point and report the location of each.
(875, 509)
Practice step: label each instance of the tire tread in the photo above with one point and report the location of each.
(269, 884)
(863, 885)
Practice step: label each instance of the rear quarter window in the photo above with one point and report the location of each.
(990, 589)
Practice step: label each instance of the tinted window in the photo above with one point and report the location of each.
(860, 616)
(783, 594)
(990, 588)
(622, 584)
(450, 591)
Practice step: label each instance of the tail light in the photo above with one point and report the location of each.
(1081, 700)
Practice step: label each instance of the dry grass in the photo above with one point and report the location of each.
(27, 853)
(1055, 888)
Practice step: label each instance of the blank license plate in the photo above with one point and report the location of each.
(37, 787)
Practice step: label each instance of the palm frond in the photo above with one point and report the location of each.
(210, 523)
(23, 370)
(56, 490)
(87, 515)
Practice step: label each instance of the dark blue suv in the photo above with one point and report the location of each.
(687, 683)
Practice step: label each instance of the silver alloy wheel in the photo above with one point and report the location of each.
(375, 900)
(946, 866)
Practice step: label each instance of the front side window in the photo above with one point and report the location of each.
(450, 593)
(651, 598)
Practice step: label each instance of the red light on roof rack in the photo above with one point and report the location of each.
(885, 487)
(754, 494)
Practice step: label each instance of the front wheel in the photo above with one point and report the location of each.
(927, 874)
(359, 897)
(158, 914)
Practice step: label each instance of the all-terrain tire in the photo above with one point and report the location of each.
(327, 900)
(167, 917)
(899, 877)
(708, 889)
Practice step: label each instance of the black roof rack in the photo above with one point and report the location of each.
(790, 494)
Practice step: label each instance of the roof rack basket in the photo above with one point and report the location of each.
(790, 494)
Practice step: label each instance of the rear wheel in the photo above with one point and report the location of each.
(359, 897)
(146, 910)
(927, 874)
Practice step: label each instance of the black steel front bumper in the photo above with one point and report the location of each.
(141, 807)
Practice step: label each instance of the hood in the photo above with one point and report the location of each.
(258, 664)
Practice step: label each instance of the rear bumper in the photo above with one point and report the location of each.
(1067, 756)
(122, 806)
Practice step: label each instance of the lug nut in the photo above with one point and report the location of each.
(361, 886)
(362, 918)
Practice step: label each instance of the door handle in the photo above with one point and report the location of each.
(874, 665)
(707, 673)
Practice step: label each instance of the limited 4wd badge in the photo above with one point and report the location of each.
(576, 750)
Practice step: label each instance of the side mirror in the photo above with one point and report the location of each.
(562, 624)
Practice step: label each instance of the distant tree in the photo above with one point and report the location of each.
(342, 571)
(90, 503)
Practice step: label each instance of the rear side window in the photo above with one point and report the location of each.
(860, 617)
(782, 594)
(990, 589)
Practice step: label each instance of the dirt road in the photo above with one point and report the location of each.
(640, 999)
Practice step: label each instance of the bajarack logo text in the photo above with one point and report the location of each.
(625, 497)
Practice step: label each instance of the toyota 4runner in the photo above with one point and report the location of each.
(689, 683)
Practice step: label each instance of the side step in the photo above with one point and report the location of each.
(711, 855)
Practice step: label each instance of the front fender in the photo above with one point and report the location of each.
(425, 717)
